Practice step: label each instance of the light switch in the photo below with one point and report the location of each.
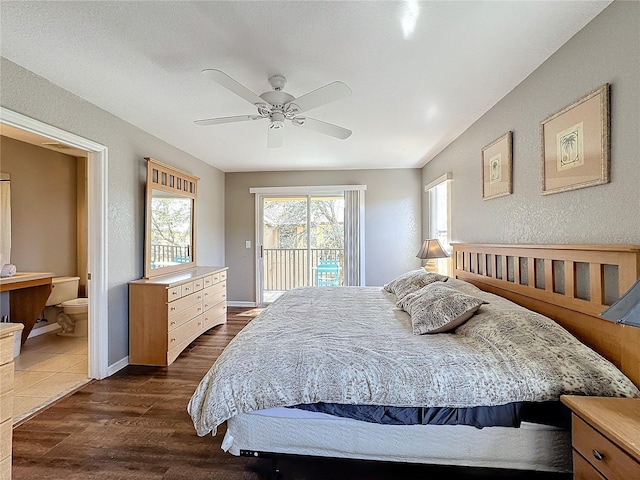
(247, 244)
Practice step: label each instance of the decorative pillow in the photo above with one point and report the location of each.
(411, 281)
(439, 308)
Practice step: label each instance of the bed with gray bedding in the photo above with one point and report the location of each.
(355, 346)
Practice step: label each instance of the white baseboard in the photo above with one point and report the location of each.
(42, 330)
(240, 304)
(119, 365)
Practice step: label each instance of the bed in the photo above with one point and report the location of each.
(353, 345)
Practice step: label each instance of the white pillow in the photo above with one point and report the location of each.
(438, 308)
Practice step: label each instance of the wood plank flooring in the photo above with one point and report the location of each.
(134, 425)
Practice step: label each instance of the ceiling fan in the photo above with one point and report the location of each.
(278, 106)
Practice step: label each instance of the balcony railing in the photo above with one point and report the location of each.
(170, 254)
(287, 268)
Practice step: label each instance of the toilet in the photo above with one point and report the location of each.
(72, 312)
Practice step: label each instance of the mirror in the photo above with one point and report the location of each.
(170, 220)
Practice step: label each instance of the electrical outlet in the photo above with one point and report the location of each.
(247, 244)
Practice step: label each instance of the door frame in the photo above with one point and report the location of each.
(97, 262)
(261, 192)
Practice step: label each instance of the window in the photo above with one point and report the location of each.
(440, 217)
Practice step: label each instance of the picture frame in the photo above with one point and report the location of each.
(497, 167)
(574, 144)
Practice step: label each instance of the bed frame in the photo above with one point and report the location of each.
(572, 284)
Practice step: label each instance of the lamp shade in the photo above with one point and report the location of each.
(431, 249)
(627, 308)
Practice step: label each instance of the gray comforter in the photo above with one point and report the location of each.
(353, 345)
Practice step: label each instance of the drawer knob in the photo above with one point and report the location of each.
(173, 309)
(173, 340)
(173, 322)
(597, 455)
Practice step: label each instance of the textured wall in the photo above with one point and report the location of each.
(605, 51)
(392, 216)
(31, 95)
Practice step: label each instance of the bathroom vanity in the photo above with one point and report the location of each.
(28, 294)
(167, 313)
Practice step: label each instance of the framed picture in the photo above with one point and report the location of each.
(496, 168)
(575, 144)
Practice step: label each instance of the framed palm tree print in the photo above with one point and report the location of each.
(497, 167)
(575, 144)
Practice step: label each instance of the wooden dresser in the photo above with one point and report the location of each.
(6, 395)
(606, 437)
(168, 312)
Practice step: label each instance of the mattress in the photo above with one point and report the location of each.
(292, 431)
(352, 345)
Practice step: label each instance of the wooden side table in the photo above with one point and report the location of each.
(605, 435)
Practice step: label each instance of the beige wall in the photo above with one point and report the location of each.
(392, 221)
(605, 51)
(43, 207)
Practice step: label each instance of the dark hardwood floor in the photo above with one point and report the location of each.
(134, 425)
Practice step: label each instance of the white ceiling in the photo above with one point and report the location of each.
(413, 92)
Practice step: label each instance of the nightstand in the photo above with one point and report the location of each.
(605, 435)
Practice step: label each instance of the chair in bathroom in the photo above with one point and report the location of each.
(328, 273)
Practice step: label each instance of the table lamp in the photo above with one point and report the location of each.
(626, 309)
(431, 249)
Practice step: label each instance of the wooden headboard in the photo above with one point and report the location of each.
(571, 284)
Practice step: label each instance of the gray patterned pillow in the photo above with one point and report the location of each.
(439, 308)
(411, 281)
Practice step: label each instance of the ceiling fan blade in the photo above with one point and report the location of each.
(217, 121)
(322, 127)
(274, 137)
(234, 86)
(322, 96)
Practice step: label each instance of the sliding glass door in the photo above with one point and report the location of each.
(301, 243)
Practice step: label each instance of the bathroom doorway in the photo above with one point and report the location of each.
(95, 343)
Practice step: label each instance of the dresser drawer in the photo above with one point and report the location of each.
(6, 406)
(214, 299)
(198, 284)
(215, 316)
(184, 332)
(223, 275)
(583, 470)
(5, 439)
(6, 377)
(5, 468)
(187, 289)
(178, 306)
(184, 316)
(6, 349)
(605, 456)
(208, 281)
(174, 293)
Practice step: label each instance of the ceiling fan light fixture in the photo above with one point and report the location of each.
(277, 120)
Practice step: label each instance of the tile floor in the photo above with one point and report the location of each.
(48, 367)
